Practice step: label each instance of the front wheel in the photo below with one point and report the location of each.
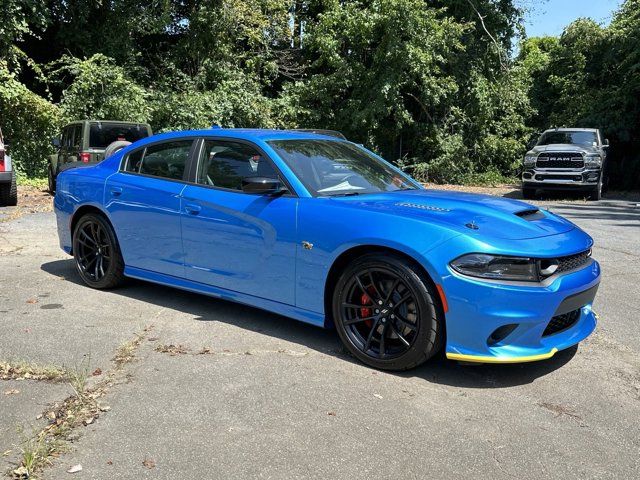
(596, 192)
(528, 193)
(97, 253)
(386, 312)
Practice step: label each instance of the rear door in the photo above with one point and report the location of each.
(235, 240)
(143, 201)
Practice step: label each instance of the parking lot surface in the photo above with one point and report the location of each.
(218, 390)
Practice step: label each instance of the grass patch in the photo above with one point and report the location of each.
(39, 183)
(76, 411)
(31, 371)
(78, 375)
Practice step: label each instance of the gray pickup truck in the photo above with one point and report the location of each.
(566, 159)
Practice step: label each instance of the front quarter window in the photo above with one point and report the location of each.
(333, 167)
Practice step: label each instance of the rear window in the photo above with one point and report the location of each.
(103, 134)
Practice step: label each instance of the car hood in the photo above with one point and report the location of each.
(472, 214)
(565, 147)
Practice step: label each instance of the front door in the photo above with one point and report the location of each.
(143, 201)
(234, 240)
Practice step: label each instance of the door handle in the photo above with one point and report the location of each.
(192, 209)
(116, 191)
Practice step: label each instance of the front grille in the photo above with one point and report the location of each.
(562, 322)
(574, 178)
(560, 160)
(573, 262)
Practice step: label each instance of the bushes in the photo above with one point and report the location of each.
(29, 122)
(98, 88)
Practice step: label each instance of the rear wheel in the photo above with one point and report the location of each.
(52, 181)
(97, 253)
(9, 192)
(386, 314)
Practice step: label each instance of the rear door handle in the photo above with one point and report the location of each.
(192, 209)
(116, 191)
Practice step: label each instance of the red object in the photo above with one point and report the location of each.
(2, 161)
(85, 157)
(443, 299)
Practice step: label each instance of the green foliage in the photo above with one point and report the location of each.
(429, 85)
(97, 88)
(29, 122)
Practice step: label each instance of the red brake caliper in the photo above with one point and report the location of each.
(365, 312)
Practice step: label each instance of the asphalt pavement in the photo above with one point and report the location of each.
(219, 390)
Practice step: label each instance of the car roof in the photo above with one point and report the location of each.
(247, 134)
(571, 130)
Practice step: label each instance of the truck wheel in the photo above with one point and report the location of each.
(528, 193)
(9, 193)
(52, 181)
(596, 193)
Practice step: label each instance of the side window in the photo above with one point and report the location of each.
(166, 160)
(133, 161)
(77, 136)
(64, 140)
(225, 163)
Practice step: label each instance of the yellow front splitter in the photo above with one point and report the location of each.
(483, 359)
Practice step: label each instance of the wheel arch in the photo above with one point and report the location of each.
(82, 211)
(349, 255)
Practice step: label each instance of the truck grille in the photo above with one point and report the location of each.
(560, 160)
(562, 322)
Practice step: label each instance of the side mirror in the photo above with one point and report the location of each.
(605, 144)
(55, 141)
(262, 185)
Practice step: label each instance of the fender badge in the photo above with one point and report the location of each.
(307, 245)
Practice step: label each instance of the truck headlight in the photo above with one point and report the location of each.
(593, 161)
(530, 160)
(497, 267)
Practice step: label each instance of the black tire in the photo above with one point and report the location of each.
(528, 193)
(51, 180)
(596, 192)
(9, 192)
(115, 147)
(397, 336)
(94, 245)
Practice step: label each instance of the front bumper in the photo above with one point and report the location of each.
(554, 178)
(477, 309)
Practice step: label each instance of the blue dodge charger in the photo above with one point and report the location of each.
(322, 230)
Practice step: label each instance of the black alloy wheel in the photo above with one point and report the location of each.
(97, 254)
(386, 313)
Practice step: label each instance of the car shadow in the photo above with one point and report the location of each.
(438, 370)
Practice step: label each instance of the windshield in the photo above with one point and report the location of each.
(575, 138)
(103, 134)
(331, 168)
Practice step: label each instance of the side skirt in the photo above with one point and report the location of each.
(283, 309)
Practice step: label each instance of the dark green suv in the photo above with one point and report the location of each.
(84, 142)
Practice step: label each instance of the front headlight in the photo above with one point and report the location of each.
(496, 267)
(529, 160)
(593, 161)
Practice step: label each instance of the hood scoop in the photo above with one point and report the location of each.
(530, 214)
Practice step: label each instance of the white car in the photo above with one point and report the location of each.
(8, 187)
